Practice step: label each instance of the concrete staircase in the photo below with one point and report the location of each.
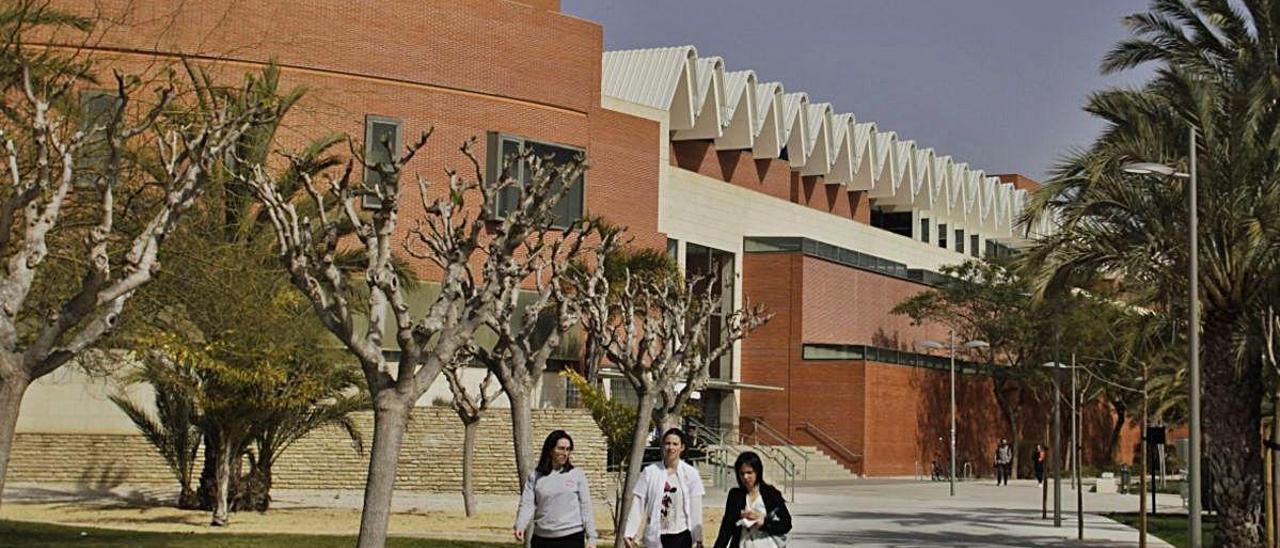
(819, 466)
(822, 466)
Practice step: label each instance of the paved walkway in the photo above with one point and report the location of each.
(893, 513)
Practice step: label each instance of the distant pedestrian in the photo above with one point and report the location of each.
(1039, 457)
(557, 500)
(755, 514)
(668, 498)
(1004, 462)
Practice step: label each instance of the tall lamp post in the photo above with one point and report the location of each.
(952, 347)
(1056, 442)
(1193, 334)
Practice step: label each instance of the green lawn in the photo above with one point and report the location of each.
(1171, 529)
(19, 533)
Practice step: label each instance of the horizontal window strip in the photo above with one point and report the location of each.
(861, 352)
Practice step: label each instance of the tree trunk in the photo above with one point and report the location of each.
(222, 483)
(1232, 419)
(12, 388)
(469, 429)
(206, 491)
(1009, 411)
(1117, 427)
(1275, 462)
(390, 416)
(639, 439)
(522, 432)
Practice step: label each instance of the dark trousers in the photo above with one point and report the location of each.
(682, 539)
(576, 540)
(1039, 471)
(1002, 474)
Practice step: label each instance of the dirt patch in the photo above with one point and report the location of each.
(133, 516)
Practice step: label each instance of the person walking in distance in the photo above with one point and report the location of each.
(1038, 459)
(1004, 462)
(755, 513)
(557, 500)
(668, 498)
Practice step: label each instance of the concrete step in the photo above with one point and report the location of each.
(819, 465)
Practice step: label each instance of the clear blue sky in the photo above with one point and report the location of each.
(996, 83)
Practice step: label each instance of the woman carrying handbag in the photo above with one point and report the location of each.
(755, 514)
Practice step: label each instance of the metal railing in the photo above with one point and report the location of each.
(833, 444)
(789, 467)
(721, 453)
(716, 451)
(759, 425)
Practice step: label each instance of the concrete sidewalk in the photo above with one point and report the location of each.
(920, 513)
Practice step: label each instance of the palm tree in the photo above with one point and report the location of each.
(174, 430)
(1217, 70)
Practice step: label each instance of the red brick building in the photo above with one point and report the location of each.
(826, 220)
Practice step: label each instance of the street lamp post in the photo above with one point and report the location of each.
(1193, 335)
(1057, 444)
(952, 347)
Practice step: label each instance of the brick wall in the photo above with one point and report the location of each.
(844, 305)
(894, 416)
(430, 459)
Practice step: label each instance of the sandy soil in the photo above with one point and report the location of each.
(437, 515)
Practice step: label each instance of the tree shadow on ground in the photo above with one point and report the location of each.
(970, 527)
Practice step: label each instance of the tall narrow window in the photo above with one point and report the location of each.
(959, 240)
(503, 149)
(702, 261)
(924, 230)
(942, 236)
(96, 109)
(381, 147)
(974, 249)
(673, 249)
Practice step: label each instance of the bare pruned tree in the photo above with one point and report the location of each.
(657, 331)
(470, 407)
(530, 329)
(63, 173)
(478, 250)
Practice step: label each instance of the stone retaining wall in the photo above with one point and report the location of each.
(430, 457)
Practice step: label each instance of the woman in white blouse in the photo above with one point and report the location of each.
(669, 493)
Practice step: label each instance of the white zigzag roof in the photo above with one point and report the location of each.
(738, 112)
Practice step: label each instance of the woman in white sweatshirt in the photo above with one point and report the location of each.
(557, 500)
(669, 497)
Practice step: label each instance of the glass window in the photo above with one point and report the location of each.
(382, 141)
(703, 261)
(673, 249)
(96, 108)
(503, 151)
(959, 240)
(942, 236)
(973, 245)
(924, 230)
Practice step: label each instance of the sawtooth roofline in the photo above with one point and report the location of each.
(704, 101)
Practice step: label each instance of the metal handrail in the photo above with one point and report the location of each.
(758, 424)
(718, 448)
(832, 443)
(789, 467)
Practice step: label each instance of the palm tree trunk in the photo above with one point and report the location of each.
(1232, 414)
(12, 387)
(1275, 462)
(639, 439)
(390, 415)
(522, 432)
(469, 429)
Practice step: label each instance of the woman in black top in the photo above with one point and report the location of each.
(755, 514)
